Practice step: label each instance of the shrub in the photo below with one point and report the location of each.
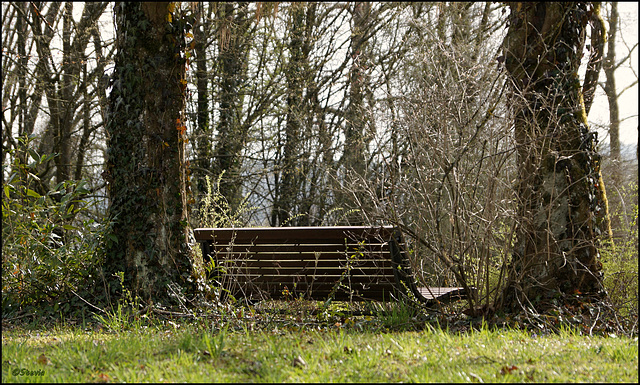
(620, 259)
(47, 251)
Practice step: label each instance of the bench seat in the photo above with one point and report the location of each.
(346, 263)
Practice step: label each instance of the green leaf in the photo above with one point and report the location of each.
(32, 193)
(7, 191)
(11, 178)
(34, 155)
(69, 227)
(113, 238)
(80, 188)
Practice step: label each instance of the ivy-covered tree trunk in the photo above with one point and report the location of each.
(562, 204)
(146, 167)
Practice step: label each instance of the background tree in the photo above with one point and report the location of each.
(203, 133)
(52, 70)
(51, 130)
(234, 42)
(610, 87)
(321, 114)
(146, 163)
(611, 64)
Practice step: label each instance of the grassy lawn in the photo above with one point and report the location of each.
(351, 351)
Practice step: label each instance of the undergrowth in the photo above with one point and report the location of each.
(620, 258)
(50, 249)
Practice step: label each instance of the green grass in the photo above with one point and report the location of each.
(203, 351)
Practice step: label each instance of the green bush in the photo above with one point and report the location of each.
(47, 251)
(620, 259)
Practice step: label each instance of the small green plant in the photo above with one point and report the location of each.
(338, 215)
(346, 274)
(398, 315)
(215, 210)
(215, 346)
(126, 315)
(50, 249)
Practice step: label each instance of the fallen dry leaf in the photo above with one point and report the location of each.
(43, 360)
(508, 369)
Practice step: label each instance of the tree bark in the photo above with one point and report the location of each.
(598, 31)
(146, 167)
(296, 77)
(232, 135)
(359, 118)
(204, 135)
(612, 93)
(560, 191)
(66, 105)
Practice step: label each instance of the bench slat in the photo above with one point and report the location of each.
(305, 263)
(322, 258)
(285, 234)
(300, 248)
(270, 270)
(309, 277)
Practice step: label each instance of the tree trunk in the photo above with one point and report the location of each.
(358, 125)
(232, 135)
(66, 106)
(21, 26)
(612, 93)
(560, 191)
(358, 115)
(598, 30)
(86, 124)
(296, 76)
(204, 135)
(146, 166)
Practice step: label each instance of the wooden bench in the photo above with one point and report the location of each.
(346, 263)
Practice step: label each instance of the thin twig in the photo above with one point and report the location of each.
(87, 302)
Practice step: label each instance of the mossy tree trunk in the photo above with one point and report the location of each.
(610, 90)
(297, 78)
(146, 167)
(359, 120)
(232, 68)
(204, 132)
(562, 203)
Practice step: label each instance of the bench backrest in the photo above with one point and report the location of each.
(342, 262)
